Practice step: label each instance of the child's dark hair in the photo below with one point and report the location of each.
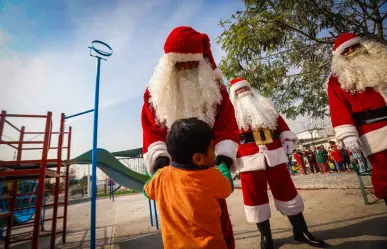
(187, 137)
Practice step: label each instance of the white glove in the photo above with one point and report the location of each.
(288, 145)
(353, 144)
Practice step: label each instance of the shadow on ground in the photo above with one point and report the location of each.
(372, 227)
(145, 241)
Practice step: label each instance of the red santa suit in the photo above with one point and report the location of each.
(264, 164)
(167, 99)
(357, 93)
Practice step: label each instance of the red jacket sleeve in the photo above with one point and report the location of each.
(285, 133)
(153, 136)
(341, 117)
(226, 129)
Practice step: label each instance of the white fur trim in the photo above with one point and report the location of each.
(374, 141)
(218, 73)
(259, 213)
(228, 148)
(155, 150)
(251, 162)
(180, 57)
(238, 85)
(257, 161)
(274, 157)
(345, 45)
(291, 207)
(288, 135)
(346, 130)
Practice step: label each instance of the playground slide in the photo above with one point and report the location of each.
(114, 169)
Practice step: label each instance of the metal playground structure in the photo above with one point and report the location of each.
(32, 203)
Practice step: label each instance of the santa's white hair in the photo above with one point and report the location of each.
(365, 67)
(253, 111)
(184, 94)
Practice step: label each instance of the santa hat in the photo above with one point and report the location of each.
(186, 44)
(237, 83)
(344, 41)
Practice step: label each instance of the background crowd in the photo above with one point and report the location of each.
(334, 159)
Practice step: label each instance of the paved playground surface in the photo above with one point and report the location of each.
(335, 215)
(345, 180)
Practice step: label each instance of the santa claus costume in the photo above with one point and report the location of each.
(262, 160)
(357, 94)
(186, 83)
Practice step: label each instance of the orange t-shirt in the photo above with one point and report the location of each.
(189, 207)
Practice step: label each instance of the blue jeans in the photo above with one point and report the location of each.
(340, 166)
(290, 168)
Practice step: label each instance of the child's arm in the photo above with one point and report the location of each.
(150, 186)
(225, 184)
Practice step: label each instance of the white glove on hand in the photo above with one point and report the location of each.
(353, 144)
(288, 145)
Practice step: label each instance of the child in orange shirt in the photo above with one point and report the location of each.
(188, 190)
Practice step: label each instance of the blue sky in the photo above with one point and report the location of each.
(45, 65)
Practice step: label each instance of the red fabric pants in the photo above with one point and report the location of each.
(255, 197)
(226, 225)
(379, 173)
(324, 167)
(300, 164)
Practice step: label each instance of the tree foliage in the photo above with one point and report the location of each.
(284, 47)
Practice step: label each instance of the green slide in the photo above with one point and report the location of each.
(114, 169)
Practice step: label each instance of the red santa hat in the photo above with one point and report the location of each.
(344, 41)
(186, 44)
(237, 83)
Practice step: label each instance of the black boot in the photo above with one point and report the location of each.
(385, 200)
(266, 239)
(301, 233)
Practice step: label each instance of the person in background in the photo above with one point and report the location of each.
(346, 159)
(325, 153)
(312, 161)
(297, 154)
(321, 159)
(338, 158)
(265, 140)
(187, 192)
(359, 159)
(290, 166)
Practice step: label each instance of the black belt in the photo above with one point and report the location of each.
(370, 116)
(249, 137)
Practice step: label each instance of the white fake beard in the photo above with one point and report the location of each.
(184, 94)
(364, 68)
(253, 111)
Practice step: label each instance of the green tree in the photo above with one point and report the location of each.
(284, 47)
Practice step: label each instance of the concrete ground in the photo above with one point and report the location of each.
(346, 180)
(337, 216)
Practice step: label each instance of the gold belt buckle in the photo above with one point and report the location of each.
(262, 136)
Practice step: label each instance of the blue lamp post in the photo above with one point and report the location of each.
(100, 55)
